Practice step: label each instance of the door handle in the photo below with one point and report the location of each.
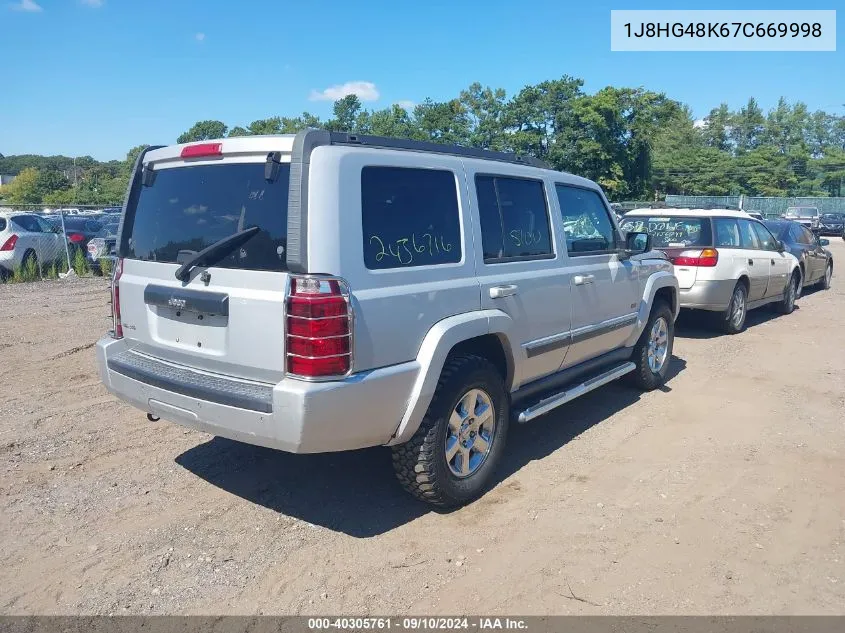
(750, 262)
(498, 292)
(581, 280)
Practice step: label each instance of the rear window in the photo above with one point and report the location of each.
(187, 209)
(669, 231)
(108, 230)
(409, 217)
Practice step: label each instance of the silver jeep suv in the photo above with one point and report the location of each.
(327, 291)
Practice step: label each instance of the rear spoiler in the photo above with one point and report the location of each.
(132, 190)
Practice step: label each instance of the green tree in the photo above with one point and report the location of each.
(484, 108)
(747, 127)
(24, 188)
(765, 171)
(203, 131)
(346, 113)
(717, 127)
(443, 122)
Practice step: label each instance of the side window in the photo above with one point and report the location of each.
(514, 218)
(27, 223)
(586, 222)
(804, 236)
(46, 227)
(409, 217)
(767, 240)
(747, 236)
(727, 233)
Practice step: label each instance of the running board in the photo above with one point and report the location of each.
(552, 402)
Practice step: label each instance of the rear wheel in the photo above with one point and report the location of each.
(787, 304)
(451, 458)
(824, 282)
(733, 319)
(653, 351)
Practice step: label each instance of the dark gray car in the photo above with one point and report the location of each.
(816, 262)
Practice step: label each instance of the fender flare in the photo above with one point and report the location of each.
(655, 281)
(435, 347)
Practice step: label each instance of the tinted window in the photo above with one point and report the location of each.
(27, 223)
(46, 227)
(668, 231)
(108, 230)
(514, 218)
(805, 236)
(747, 236)
(92, 227)
(727, 233)
(778, 228)
(586, 223)
(2, 224)
(75, 223)
(187, 209)
(409, 217)
(767, 240)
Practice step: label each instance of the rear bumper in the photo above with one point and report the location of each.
(295, 416)
(708, 295)
(9, 260)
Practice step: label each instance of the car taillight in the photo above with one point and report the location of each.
(76, 238)
(202, 149)
(115, 298)
(318, 341)
(9, 245)
(706, 258)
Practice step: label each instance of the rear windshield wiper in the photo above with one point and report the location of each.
(219, 249)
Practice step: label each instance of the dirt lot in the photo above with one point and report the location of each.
(724, 493)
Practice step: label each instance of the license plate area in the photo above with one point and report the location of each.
(187, 330)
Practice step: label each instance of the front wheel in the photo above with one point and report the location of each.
(451, 458)
(653, 352)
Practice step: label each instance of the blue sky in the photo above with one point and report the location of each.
(100, 76)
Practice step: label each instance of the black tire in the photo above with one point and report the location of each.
(644, 376)
(421, 464)
(787, 304)
(729, 322)
(824, 282)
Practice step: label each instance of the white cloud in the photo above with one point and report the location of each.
(94, 4)
(699, 123)
(366, 91)
(199, 37)
(30, 6)
(406, 104)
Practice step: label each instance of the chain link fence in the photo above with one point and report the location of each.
(43, 245)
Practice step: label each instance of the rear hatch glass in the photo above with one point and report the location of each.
(187, 209)
(227, 314)
(673, 235)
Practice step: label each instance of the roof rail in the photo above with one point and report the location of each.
(345, 138)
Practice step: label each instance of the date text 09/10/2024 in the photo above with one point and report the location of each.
(416, 624)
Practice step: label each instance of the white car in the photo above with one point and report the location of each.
(725, 261)
(26, 237)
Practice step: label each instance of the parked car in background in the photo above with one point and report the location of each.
(328, 291)
(102, 245)
(831, 224)
(79, 231)
(27, 240)
(725, 261)
(815, 262)
(806, 216)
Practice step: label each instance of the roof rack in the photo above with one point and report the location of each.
(345, 138)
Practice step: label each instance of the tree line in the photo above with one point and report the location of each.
(636, 143)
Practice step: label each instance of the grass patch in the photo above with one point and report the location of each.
(29, 271)
(106, 266)
(80, 263)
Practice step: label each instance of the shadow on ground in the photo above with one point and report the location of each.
(355, 492)
(701, 324)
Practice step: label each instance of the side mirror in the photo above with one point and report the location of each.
(824, 242)
(779, 246)
(637, 242)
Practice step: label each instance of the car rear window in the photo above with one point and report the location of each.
(409, 217)
(108, 230)
(187, 209)
(669, 231)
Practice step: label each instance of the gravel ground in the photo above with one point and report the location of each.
(724, 493)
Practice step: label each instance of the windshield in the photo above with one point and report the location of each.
(670, 231)
(187, 209)
(803, 212)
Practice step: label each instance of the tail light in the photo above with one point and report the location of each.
(706, 258)
(9, 245)
(76, 238)
(318, 340)
(115, 298)
(202, 149)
